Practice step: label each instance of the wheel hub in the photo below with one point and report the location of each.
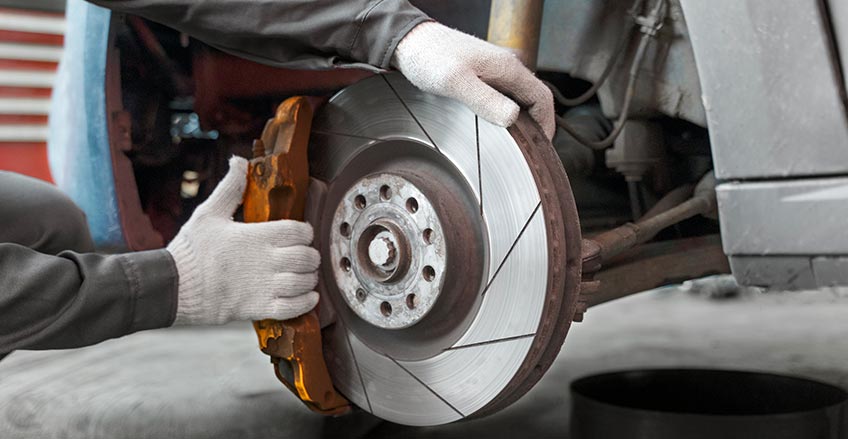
(387, 251)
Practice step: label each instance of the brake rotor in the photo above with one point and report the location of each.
(451, 253)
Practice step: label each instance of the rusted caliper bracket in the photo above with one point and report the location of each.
(277, 183)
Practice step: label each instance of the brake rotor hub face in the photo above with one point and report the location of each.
(387, 251)
(495, 221)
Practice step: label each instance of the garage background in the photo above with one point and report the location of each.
(31, 38)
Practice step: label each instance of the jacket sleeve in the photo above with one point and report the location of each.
(73, 299)
(308, 34)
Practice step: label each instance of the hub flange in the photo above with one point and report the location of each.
(387, 251)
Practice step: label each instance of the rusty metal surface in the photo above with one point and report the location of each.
(228, 89)
(515, 24)
(565, 260)
(279, 175)
(277, 184)
(613, 242)
(659, 264)
(139, 233)
(299, 364)
(626, 267)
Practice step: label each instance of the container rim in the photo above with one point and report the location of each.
(709, 392)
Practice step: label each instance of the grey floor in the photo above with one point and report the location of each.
(213, 383)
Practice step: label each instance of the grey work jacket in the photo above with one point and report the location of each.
(73, 299)
(55, 293)
(50, 300)
(299, 34)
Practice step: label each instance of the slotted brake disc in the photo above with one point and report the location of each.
(451, 253)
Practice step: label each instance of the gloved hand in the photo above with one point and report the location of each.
(446, 62)
(236, 271)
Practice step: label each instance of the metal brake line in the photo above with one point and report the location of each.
(649, 26)
(573, 102)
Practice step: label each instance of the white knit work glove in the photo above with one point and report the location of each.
(446, 62)
(236, 271)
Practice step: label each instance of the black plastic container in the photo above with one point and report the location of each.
(701, 403)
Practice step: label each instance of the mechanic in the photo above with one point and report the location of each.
(55, 292)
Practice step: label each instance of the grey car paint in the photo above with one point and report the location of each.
(767, 79)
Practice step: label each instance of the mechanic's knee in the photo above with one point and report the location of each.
(65, 228)
(40, 216)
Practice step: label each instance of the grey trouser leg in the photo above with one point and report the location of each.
(75, 297)
(38, 215)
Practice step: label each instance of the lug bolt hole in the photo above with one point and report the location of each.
(344, 229)
(428, 236)
(345, 264)
(429, 273)
(410, 301)
(412, 205)
(386, 308)
(385, 192)
(359, 202)
(360, 295)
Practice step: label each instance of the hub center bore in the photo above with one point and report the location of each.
(388, 251)
(383, 251)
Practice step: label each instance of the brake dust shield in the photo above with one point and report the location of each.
(451, 253)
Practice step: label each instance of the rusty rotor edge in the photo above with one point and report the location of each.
(564, 280)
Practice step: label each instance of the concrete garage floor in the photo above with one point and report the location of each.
(214, 383)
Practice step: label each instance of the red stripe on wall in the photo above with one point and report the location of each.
(25, 158)
(28, 158)
(23, 119)
(13, 36)
(24, 92)
(19, 64)
(30, 13)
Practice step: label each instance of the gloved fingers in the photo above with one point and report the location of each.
(543, 113)
(506, 72)
(293, 284)
(292, 307)
(228, 195)
(280, 233)
(277, 308)
(296, 259)
(482, 99)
